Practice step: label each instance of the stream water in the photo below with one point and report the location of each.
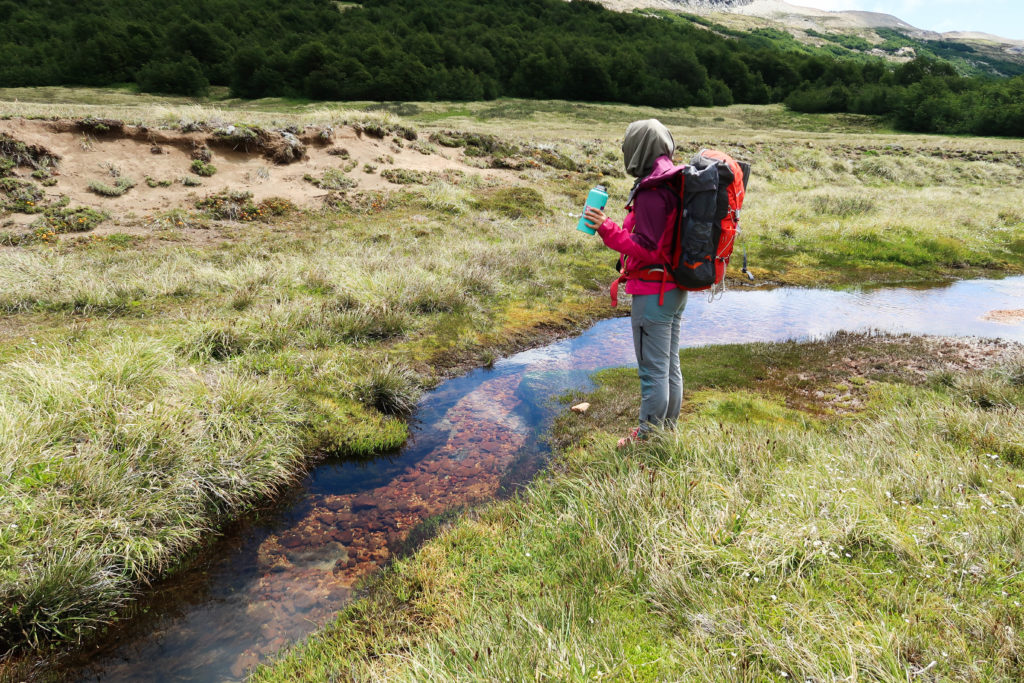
(273, 579)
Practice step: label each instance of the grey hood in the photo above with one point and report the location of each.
(645, 141)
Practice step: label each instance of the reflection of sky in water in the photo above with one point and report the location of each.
(208, 618)
(790, 313)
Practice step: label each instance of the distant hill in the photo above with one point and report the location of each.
(844, 32)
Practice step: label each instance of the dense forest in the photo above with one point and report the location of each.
(470, 50)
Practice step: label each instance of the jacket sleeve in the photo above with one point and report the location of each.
(651, 211)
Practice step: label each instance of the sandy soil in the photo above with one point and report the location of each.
(1007, 317)
(87, 157)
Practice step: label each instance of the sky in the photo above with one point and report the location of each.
(1001, 17)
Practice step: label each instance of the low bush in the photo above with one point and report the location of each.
(203, 168)
(331, 179)
(21, 196)
(121, 185)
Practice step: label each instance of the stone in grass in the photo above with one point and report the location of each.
(581, 407)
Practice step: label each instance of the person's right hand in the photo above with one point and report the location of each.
(594, 217)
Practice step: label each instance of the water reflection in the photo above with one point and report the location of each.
(275, 579)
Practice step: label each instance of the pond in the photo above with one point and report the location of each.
(276, 577)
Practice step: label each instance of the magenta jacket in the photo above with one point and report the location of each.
(644, 237)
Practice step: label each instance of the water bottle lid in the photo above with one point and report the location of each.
(602, 188)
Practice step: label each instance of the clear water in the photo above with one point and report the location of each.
(273, 579)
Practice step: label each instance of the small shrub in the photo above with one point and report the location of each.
(61, 220)
(230, 205)
(153, 182)
(369, 168)
(189, 181)
(339, 152)
(16, 153)
(554, 159)
(277, 206)
(424, 148)
(332, 179)
(22, 196)
(245, 138)
(239, 206)
(405, 176)
(474, 144)
(203, 168)
(371, 128)
(391, 389)
(121, 186)
(365, 202)
(1011, 217)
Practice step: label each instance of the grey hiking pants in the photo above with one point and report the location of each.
(656, 342)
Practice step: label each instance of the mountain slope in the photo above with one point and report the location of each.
(972, 53)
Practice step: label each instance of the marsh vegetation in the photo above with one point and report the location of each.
(162, 374)
(770, 537)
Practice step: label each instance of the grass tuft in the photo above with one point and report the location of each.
(392, 389)
(843, 207)
(514, 202)
(121, 186)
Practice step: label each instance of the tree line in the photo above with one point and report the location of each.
(470, 50)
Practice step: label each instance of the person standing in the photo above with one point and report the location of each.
(644, 242)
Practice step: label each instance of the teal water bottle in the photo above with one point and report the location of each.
(597, 198)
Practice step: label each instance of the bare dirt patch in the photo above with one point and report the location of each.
(266, 163)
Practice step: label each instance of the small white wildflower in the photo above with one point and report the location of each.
(774, 597)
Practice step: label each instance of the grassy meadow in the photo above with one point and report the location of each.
(172, 372)
(771, 537)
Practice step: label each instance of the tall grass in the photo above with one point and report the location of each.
(116, 460)
(147, 391)
(753, 545)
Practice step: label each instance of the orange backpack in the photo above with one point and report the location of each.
(713, 188)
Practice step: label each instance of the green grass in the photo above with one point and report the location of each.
(166, 388)
(759, 542)
(116, 461)
(338, 315)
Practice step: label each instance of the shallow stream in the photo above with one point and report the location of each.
(273, 579)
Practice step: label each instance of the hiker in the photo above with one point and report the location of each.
(643, 240)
